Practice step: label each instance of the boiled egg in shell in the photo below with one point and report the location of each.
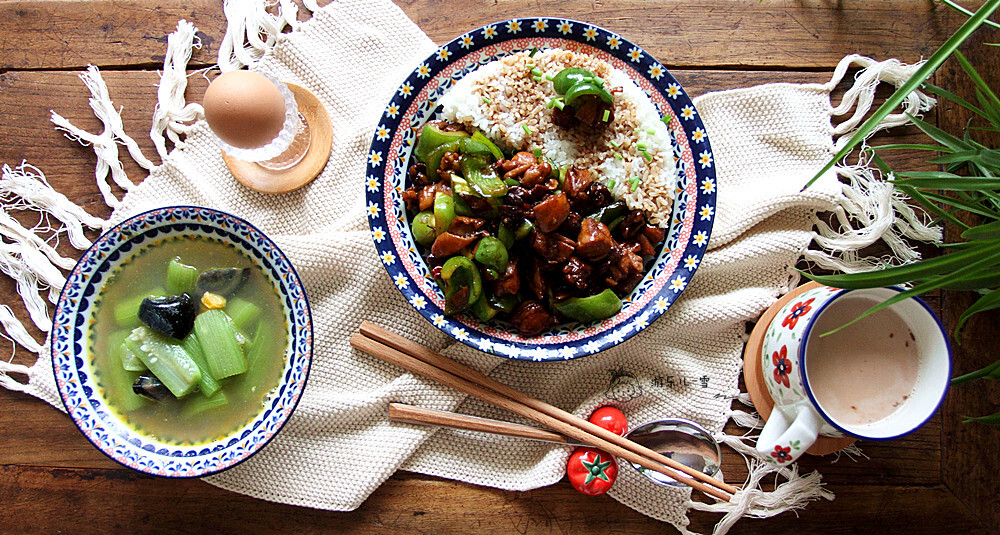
(244, 109)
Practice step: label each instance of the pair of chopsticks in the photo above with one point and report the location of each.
(420, 360)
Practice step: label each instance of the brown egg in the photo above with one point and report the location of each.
(244, 109)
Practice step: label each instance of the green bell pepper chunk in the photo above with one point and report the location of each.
(472, 145)
(561, 174)
(433, 160)
(523, 231)
(491, 253)
(432, 138)
(483, 310)
(444, 213)
(461, 207)
(584, 89)
(463, 285)
(503, 304)
(590, 308)
(477, 170)
(460, 186)
(423, 228)
(506, 236)
(610, 212)
(494, 150)
(569, 77)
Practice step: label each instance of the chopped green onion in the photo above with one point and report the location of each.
(551, 103)
(611, 184)
(534, 50)
(647, 156)
(536, 78)
(538, 153)
(527, 130)
(618, 156)
(665, 120)
(536, 71)
(487, 101)
(641, 146)
(549, 77)
(651, 131)
(559, 103)
(598, 82)
(607, 114)
(616, 144)
(634, 183)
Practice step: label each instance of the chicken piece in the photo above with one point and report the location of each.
(655, 235)
(551, 212)
(577, 181)
(517, 165)
(594, 241)
(553, 248)
(530, 318)
(625, 264)
(535, 279)
(632, 224)
(426, 195)
(509, 283)
(577, 273)
(466, 226)
(448, 244)
(526, 169)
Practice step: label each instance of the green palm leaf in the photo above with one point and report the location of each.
(914, 82)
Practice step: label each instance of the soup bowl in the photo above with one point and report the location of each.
(78, 373)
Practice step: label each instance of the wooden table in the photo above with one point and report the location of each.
(941, 479)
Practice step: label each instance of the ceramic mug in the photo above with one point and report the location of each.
(855, 382)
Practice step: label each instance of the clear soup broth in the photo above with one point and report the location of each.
(187, 420)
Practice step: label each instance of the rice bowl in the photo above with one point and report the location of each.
(418, 100)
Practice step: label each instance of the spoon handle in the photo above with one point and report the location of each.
(399, 412)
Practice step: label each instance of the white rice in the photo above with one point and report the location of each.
(500, 98)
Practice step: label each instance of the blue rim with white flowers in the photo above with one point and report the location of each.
(413, 105)
(73, 365)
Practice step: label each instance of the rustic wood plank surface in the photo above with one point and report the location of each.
(941, 479)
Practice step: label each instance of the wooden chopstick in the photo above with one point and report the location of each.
(400, 412)
(424, 354)
(422, 361)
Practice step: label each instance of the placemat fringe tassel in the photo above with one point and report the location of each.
(871, 208)
(173, 115)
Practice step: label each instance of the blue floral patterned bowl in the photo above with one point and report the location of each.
(73, 365)
(414, 104)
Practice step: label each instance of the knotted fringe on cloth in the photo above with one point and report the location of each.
(768, 141)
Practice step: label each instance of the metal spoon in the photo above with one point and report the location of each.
(682, 440)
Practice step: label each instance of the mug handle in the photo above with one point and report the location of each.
(781, 441)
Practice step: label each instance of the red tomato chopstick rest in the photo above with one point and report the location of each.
(590, 470)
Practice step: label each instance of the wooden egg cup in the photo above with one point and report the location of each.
(264, 180)
(753, 373)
